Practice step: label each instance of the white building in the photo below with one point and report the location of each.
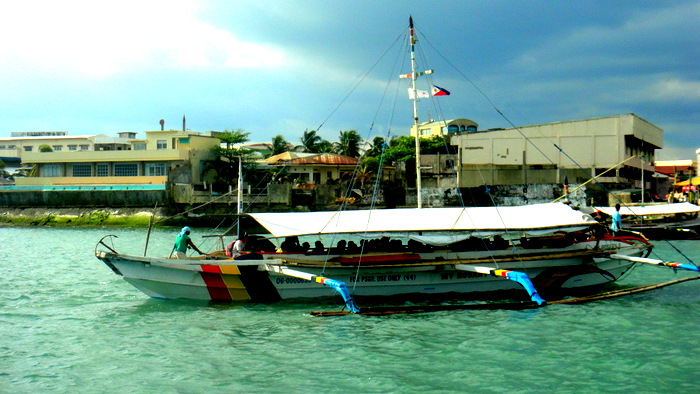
(615, 148)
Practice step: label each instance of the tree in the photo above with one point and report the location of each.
(279, 145)
(376, 148)
(310, 141)
(233, 137)
(368, 170)
(223, 167)
(45, 148)
(401, 148)
(349, 143)
(325, 146)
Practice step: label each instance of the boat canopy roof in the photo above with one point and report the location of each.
(531, 219)
(653, 209)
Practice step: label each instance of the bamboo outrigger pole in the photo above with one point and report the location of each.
(594, 178)
(688, 267)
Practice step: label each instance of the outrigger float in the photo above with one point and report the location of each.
(399, 252)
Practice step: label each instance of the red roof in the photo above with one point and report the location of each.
(309, 159)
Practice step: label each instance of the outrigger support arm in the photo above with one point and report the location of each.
(688, 267)
(338, 285)
(515, 276)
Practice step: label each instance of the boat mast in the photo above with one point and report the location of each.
(414, 96)
(239, 196)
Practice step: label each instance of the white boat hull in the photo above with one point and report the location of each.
(254, 280)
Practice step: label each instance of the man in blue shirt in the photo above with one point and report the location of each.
(616, 220)
(182, 242)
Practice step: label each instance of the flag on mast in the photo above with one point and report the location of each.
(419, 93)
(438, 91)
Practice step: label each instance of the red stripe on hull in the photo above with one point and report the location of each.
(218, 291)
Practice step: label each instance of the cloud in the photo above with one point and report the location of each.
(103, 38)
(674, 89)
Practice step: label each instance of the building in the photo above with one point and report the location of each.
(313, 168)
(447, 127)
(677, 169)
(100, 160)
(616, 149)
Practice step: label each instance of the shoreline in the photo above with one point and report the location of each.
(69, 217)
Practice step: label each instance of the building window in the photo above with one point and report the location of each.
(84, 147)
(126, 169)
(57, 148)
(449, 164)
(140, 146)
(82, 170)
(11, 146)
(27, 148)
(162, 144)
(156, 169)
(2, 146)
(103, 169)
(51, 170)
(72, 147)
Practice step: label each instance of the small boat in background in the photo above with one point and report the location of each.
(660, 221)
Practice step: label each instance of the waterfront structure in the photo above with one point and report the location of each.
(313, 168)
(677, 169)
(446, 127)
(553, 153)
(123, 161)
(15, 147)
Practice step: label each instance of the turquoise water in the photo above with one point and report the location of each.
(68, 323)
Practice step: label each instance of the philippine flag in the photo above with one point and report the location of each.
(438, 91)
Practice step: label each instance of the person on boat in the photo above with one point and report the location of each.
(236, 247)
(616, 225)
(318, 247)
(182, 242)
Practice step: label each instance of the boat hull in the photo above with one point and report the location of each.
(255, 280)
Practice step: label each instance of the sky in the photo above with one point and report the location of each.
(283, 67)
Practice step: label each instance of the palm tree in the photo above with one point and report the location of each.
(279, 145)
(349, 143)
(377, 147)
(310, 140)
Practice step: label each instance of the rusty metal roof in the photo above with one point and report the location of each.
(311, 158)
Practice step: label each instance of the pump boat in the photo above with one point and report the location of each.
(397, 252)
(401, 251)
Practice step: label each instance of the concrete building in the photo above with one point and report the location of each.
(100, 160)
(550, 153)
(447, 127)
